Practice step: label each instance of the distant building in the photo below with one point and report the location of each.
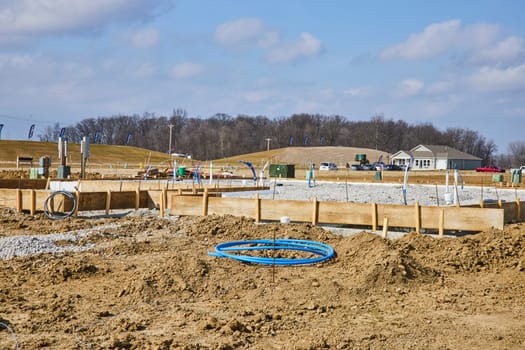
(436, 157)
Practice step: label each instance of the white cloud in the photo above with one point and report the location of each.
(307, 45)
(257, 96)
(435, 39)
(25, 19)
(410, 87)
(239, 32)
(143, 70)
(439, 38)
(498, 79)
(356, 92)
(505, 51)
(186, 70)
(145, 38)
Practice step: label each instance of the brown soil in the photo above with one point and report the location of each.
(150, 284)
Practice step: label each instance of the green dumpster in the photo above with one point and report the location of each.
(516, 176)
(378, 175)
(282, 170)
(497, 178)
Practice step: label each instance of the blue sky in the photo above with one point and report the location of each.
(450, 63)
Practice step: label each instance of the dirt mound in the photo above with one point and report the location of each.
(149, 283)
(488, 251)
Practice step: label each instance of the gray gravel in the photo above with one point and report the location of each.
(427, 195)
(23, 245)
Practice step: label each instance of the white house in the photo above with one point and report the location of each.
(436, 157)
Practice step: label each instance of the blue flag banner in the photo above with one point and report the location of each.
(290, 141)
(128, 140)
(97, 137)
(306, 140)
(1, 127)
(321, 141)
(62, 132)
(31, 131)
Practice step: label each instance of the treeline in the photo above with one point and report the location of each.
(223, 136)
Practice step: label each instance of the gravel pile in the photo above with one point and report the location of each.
(55, 243)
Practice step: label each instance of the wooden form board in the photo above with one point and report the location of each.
(36, 184)
(153, 185)
(33, 200)
(374, 215)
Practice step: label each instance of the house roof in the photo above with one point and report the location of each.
(437, 151)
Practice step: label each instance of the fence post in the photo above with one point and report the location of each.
(137, 199)
(418, 217)
(385, 227)
(374, 216)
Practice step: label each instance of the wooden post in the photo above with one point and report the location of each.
(33, 202)
(417, 217)
(315, 211)
(385, 227)
(48, 182)
(180, 191)
(518, 209)
(257, 208)
(137, 199)
(108, 201)
(18, 200)
(205, 202)
(161, 204)
(441, 222)
(374, 216)
(77, 198)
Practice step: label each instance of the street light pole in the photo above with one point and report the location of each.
(171, 127)
(268, 145)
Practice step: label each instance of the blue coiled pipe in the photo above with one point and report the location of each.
(232, 249)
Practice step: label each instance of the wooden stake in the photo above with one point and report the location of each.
(77, 198)
(257, 208)
(374, 216)
(137, 199)
(205, 203)
(385, 227)
(18, 200)
(108, 201)
(441, 222)
(33, 202)
(518, 209)
(161, 204)
(417, 217)
(315, 215)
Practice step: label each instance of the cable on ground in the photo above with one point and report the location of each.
(55, 215)
(233, 249)
(13, 334)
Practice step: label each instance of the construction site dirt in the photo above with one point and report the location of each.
(145, 282)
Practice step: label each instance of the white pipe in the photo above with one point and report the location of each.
(455, 186)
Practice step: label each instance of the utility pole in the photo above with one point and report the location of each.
(171, 127)
(268, 144)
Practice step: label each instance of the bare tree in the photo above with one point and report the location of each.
(517, 153)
